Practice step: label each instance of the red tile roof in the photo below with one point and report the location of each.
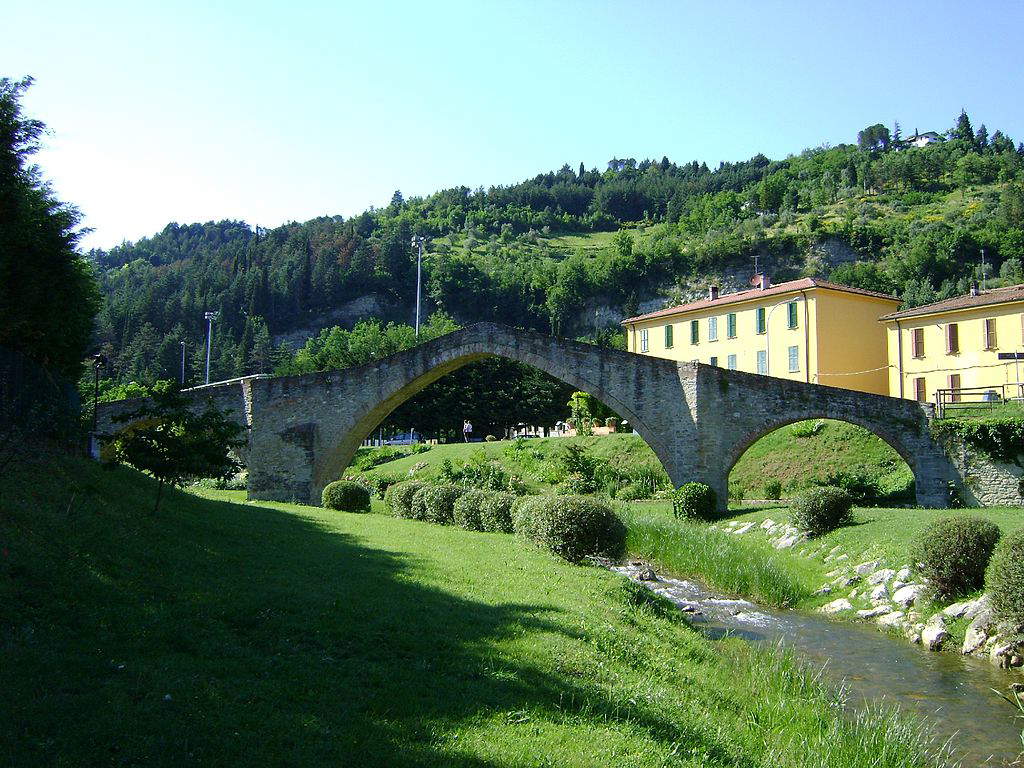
(1010, 293)
(804, 283)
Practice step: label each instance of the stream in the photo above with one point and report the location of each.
(951, 692)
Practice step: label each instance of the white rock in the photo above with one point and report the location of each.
(906, 596)
(767, 523)
(891, 619)
(956, 610)
(976, 607)
(743, 528)
(881, 576)
(934, 633)
(840, 558)
(824, 590)
(879, 593)
(837, 606)
(904, 573)
(865, 568)
(982, 625)
(787, 541)
(878, 610)
(897, 585)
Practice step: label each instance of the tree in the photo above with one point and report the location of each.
(963, 130)
(48, 295)
(874, 137)
(981, 137)
(170, 441)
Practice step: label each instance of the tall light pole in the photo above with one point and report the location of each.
(183, 363)
(417, 242)
(210, 317)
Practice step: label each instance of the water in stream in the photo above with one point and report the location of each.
(952, 692)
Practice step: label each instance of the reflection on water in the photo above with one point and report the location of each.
(953, 692)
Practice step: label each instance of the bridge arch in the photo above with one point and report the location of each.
(319, 420)
(885, 435)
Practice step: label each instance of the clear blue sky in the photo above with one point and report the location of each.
(272, 112)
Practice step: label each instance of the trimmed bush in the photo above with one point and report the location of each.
(380, 483)
(1005, 578)
(820, 510)
(953, 552)
(523, 514)
(398, 497)
(773, 490)
(694, 501)
(496, 512)
(346, 496)
(466, 511)
(631, 493)
(436, 503)
(571, 527)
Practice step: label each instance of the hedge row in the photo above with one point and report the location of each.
(572, 527)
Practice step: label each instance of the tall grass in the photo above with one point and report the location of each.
(740, 566)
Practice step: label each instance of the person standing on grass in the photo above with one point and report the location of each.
(467, 430)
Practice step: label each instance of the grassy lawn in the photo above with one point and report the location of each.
(221, 633)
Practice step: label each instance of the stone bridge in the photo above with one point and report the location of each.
(698, 419)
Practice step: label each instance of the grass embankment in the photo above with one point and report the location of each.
(795, 461)
(227, 634)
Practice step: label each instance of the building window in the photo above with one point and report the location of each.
(643, 339)
(762, 361)
(762, 325)
(919, 390)
(917, 337)
(794, 359)
(952, 339)
(668, 337)
(694, 331)
(954, 385)
(730, 325)
(991, 342)
(714, 360)
(791, 310)
(712, 329)
(730, 362)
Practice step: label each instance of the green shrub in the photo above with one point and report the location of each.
(576, 484)
(572, 527)
(380, 483)
(523, 514)
(694, 501)
(1005, 578)
(496, 512)
(737, 492)
(368, 458)
(862, 488)
(648, 480)
(807, 428)
(630, 493)
(398, 498)
(820, 510)
(346, 496)
(466, 511)
(953, 552)
(773, 490)
(436, 503)
(611, 422)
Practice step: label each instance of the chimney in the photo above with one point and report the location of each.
(974, 288)
(712, 292)
(763, 281)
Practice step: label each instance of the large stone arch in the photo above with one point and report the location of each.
(310, 426)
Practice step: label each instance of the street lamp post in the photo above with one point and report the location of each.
(767, 335)
(417, 242)
(97, 361)
(210, 317)
(183, 363)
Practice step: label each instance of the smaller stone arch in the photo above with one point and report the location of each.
(745, 443)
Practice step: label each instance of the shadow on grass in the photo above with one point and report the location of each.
(229, 634)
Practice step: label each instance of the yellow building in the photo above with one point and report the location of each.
(809, 330)
(949, 350)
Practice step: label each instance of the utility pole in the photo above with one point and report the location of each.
(417, 242)
(183, 363)
(982, 269)
(210, 317)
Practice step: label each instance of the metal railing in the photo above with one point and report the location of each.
(963, 400)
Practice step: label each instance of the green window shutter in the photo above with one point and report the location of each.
(694, 331)
(761, 324)
(792, 314)
(731, 325)
(668, 337)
